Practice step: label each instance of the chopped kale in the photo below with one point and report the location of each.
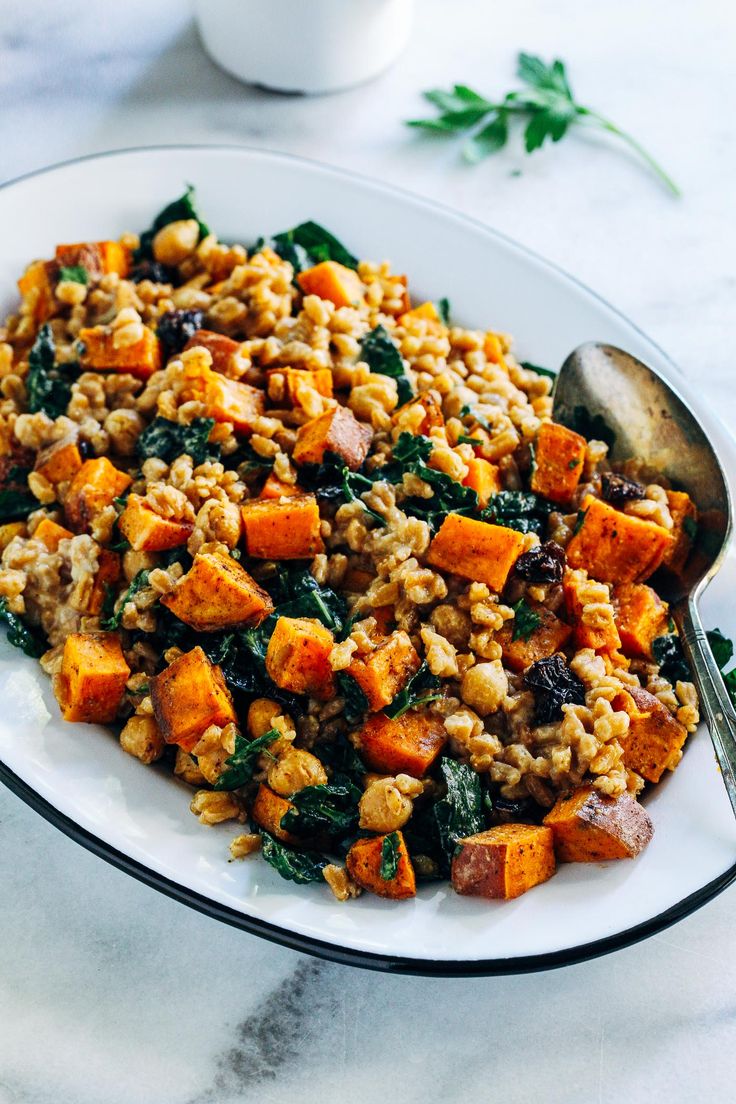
(592, 426)
(241, 765)
(323, 810)
(356, 703)
(526, 621)
(48, 391)
(460, 812)
(443, 310)
(75, 274)
(21, 635)
(390, 853)
(540, 371)
(179, 209)
(553, 685)
(463, 439)
(16, 504)
(111, 619)
(309, 244)
(544, 563)
(721, 647)
(168, 440)
(342, 759)
(690, 525)
(667, 652)
(381, 354)
(295, 866)
(618, 489)
(175, 328)
(521, 510)
(410, 454)
(297, 593)
(418, 691)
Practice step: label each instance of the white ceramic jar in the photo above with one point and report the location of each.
(304, 45)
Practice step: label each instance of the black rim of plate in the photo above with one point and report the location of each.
(333, 952)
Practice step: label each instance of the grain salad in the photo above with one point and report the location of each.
(325, 557)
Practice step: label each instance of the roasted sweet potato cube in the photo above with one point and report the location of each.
(363, 862)
(10, 530)
(225, 400)
(147, 531)
(476, 550)
(558, 462)
(60, 462)
(654, 741)
(298, 657)
(426, 311)
(483, 478)
(641, 616)
(684, 527)
(217, 593)
(289, 385)
(106, 576)
(381, 674)
(419, 415)
(616, 547)
(189, 696)
(93, 677)
(98, 350)
(96, 485)
(268, 810)
(503, 862)
(409, 744)
(338, 431)
(37, 290)
(222, 349)
(589, 827)
(548, 637)
(333, 281)
(276, 530)
(97, 258)
(592, 628)
(493, 347)
(50, 533)
(275, 488)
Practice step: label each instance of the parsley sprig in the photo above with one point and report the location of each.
(546, 105)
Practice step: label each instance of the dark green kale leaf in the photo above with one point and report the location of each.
(110, 619)
(390, 856)
(76, 274)
(47, 389)
(721, 647)
(460, 812)
(539, 370)
(168, 440)
(526, 621)
(301, 867)
(410, 454)
(16, 504)
(381, 354)
(19, 634)
(443, 310)
(343, 761)
(317, 810)
(667, 652)
(296, 593)
(242, 764)
(418, 691)
(179, 209)
(309, 244)
(521, 510)
(356, 703)
(593, 427)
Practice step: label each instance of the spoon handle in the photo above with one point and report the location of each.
(716, 703)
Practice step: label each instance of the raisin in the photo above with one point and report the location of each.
(617, 488)
(153, 271)
(553, 685)
(175, 327)
(542, 564)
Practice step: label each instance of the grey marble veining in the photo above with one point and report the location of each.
(111, 993)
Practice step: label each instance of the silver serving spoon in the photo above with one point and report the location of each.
(650, 420)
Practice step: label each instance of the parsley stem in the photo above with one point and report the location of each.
(654, 165)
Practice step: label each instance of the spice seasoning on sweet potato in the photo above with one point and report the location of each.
(337, 431)
(101, 350)
(503, 862)
(50, 533)
(93, 677)
(188, 696)
(641, 616)
(559, 453)
(409, 744)
(590, 827)
(298, 657)
(476, 550)
(217, 593)
(96, 485)
(268, 810)
(382, 673)
(364, 866)
(291, 384)
(616, 547)
(277, 530)
(275, 488)
(107, 575)
(654, 740)
(332, 281)
(147, 531)
(548, 636)
(222, 349)
(59, 462)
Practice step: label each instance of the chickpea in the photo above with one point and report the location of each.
(175, 242)
(387, 803)
(294, 770)
(261, 714)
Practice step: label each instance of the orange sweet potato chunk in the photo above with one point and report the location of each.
(93, 677)
(601, 633)
(10, 530)
(189, 696)
(363, 862)
(616, 547)
(60, 462)
(222, 349)
(268, 810)
(503, 862)
(547, 638)
(589, 827)
(99, 352)
(147, 531)
(50, 533)
(37, 290)
(426, 311)
(275, 488)
(483, 478)
(338, 431)
(226, 400)
(382, 673)
(476, 550)
(333, 281)
(297, 657)
(107, 575)
(641, 616)
(684, 527)
(558, 462)
(409, 744)
(654, 741)
(276, 530)
(217, 593)
(96, 485)
(287, 385)
(97, 258)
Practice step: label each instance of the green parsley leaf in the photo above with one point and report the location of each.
(526, 621)
(75, 274)
(241, 765)
(381, 354)
(390, 851)
(301, 867)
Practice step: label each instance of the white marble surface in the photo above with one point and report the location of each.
(110, 992)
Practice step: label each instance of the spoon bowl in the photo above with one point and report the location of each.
(613, 396)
